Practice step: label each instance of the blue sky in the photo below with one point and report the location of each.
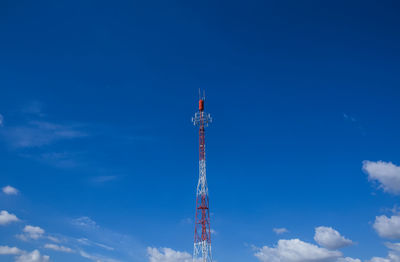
(100, 156)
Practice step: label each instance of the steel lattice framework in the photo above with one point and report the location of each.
(202, 231)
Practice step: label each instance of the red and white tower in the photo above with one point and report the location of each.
(202, 231)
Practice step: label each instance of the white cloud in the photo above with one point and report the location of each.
(393, 246)
(295, 250)
(34, 108)
(34, 256)
(330, 238)
(348, 259)
(97, 236)
(103, 179)
(6, 218)
(85, 222)
(392, 257)
(54, 239)
(39, 133)
(88, 242)
(348, 117)
(1, 120)
(386, 173)
(6, 250)
(388, 227)
(379, 259)
(58, 248)
(96, 257)
(23, 256)
(213, 232)
(280, 231)
(167, 255)
(9, 190)
(31, 232)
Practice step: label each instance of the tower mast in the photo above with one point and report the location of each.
(202, 231)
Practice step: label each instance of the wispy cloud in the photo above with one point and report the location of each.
(33, 108)
(59, 159)
(39, 133)
(32, 135)
(103, 179)
(187, 221)
(95, 243)
(348, 117)
(97, 236)
(59, 248)
(355, 122)
(280, 230)
(88, 242)
(84, 222)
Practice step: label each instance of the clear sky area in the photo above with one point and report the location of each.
(99, 158)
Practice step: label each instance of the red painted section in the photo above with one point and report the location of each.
(201, 105)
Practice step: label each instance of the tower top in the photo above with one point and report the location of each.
(202, 98)
(201, 105)
(201, 118)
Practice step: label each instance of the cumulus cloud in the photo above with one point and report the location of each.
(167, 255)
(31, 232)
(34, 256)
(388, 227)
(6, 250)
(58, 248)
(386, 174)
(381, 259)
(330, 238)
(9, 190)
(280, 230)
(295, 250)
(393, 246)
(23, 256)
(393, 255)
(7, 218)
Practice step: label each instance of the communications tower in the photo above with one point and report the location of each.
(202, 231)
